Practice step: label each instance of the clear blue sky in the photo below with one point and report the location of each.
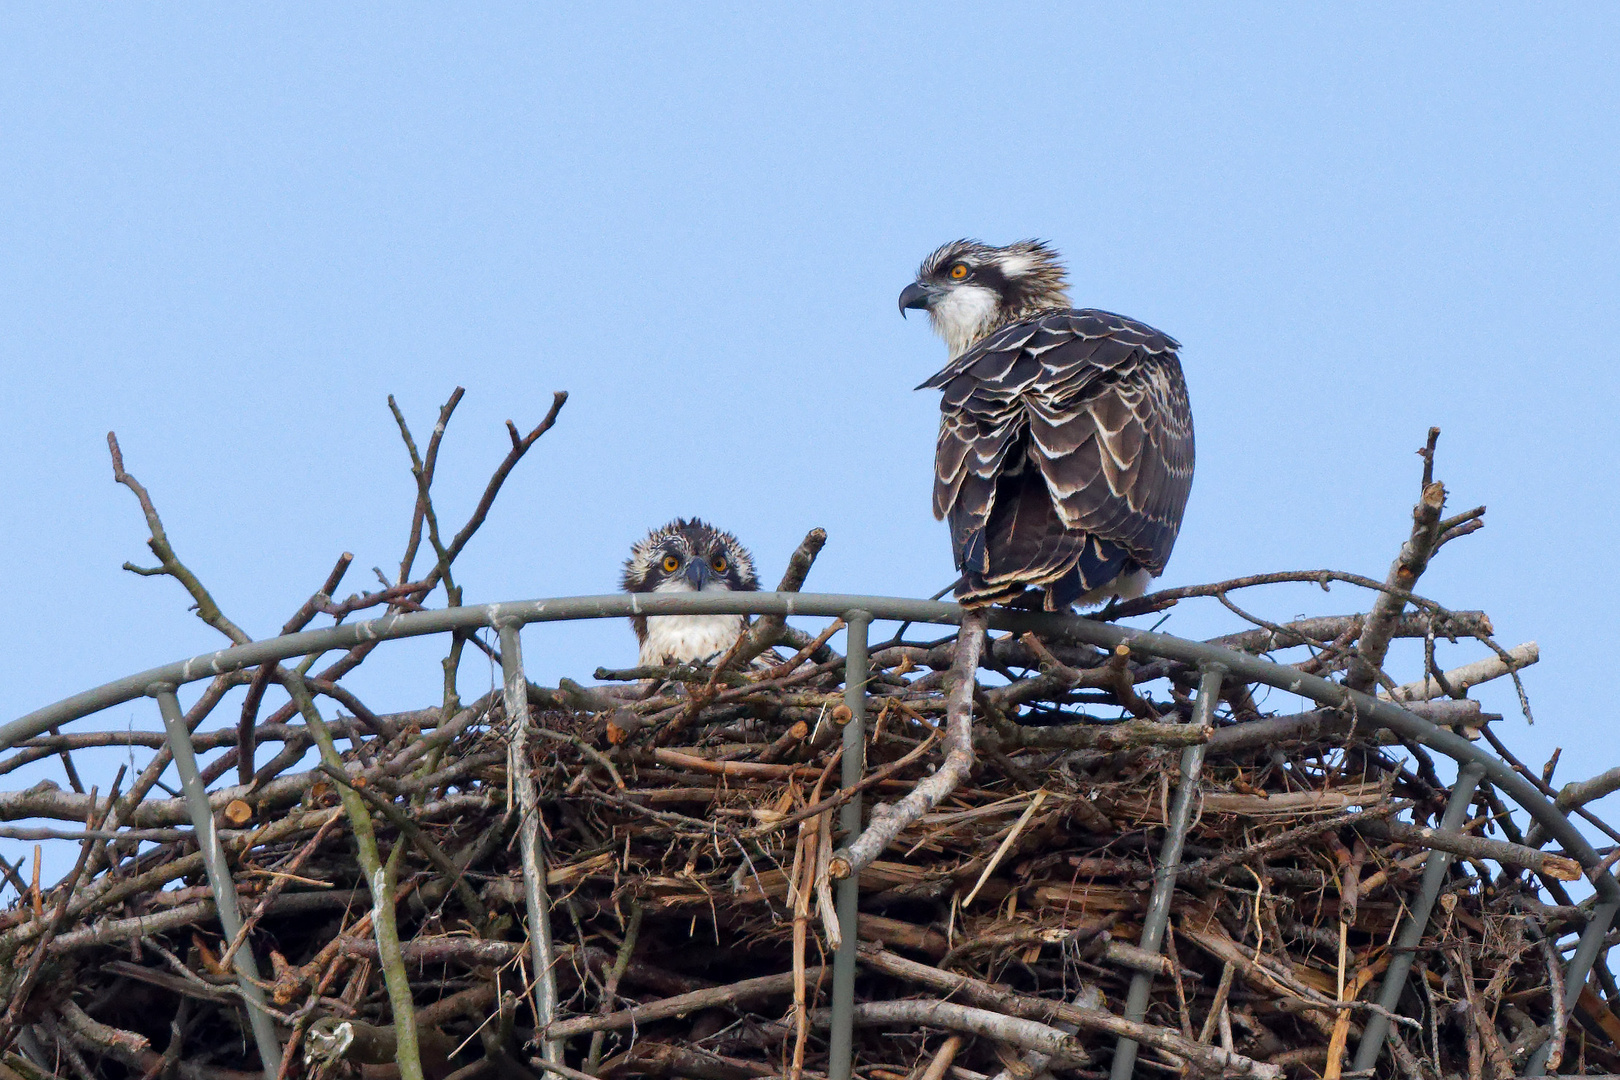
(229, 233)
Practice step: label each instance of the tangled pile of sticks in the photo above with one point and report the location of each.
(647, 877)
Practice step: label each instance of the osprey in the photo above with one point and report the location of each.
(687, 556)
(1065, 449)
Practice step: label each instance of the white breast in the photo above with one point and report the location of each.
(1124, 587)
(684, 638)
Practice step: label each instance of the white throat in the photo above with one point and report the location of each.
(682, 639)
(963, 315)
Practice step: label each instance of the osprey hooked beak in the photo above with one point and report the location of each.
(920, 296)
(697, 572)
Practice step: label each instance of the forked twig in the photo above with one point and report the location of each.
(889, 821)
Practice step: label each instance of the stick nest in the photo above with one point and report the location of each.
(687, 819)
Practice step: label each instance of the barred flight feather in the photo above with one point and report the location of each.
(1065, 455)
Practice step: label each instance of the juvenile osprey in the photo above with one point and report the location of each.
(687, 556)
(1066, 446)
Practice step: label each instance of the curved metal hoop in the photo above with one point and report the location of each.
(1240, 666)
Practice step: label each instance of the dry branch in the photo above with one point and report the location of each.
(887, 822)
(1467, 676)
(1403, 575)
(768, 630)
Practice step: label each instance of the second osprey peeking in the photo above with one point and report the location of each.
(1066, 446)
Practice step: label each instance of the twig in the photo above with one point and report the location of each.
(799, 891)
(1332, 627)
(990, 996)
(564, 1071)
(1403, 574)
(1559, 1009)
(1168, 597)
(381, 886)
(425, 843)
(1476, 847)
(1034, 1063)
(767, 630)
(423, 472)
(8, 1023)
(702, 696)
(811, 647)
(791, 737)
(679, 1005)
(261, 677)
(586, 750)
(610, 987)
(1581, 792)
(1005, 845)
(888, 821)
(1221, 991)
(1010, 1030)
(742, 769)
(68, 767)
(25, 832)
(493, 488)
(1124, 735)
(267, 901)
(843, 795)
(1213, 868)
(943, 1057)
(1462, 679)
(207, 610)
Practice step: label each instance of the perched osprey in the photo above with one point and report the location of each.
(1066, 446)
(687, 556)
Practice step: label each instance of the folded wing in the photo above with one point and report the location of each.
(1092, 404)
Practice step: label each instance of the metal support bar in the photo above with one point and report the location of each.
(841, 1045)
(1164, 875)
(516, 698)
(1048, 625)
(1400, 964)
(1580, 965)
(219, 874)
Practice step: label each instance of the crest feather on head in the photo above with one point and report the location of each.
(688, 537)
(971, 289)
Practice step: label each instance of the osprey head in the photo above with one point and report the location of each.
(970, 289)
(689, 556)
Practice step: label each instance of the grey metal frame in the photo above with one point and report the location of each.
(841, 1045)
(858, 612)
(1434, 876)
(1164, 875)
(220, 882)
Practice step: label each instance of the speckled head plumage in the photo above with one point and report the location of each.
(687, 555)
(971, 289)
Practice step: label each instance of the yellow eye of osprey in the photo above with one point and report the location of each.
(671, 564)
(959, 271)
(720, 565)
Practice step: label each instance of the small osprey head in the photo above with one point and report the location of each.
(970, 289)
(689, 556)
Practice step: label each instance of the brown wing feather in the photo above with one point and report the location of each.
(1097, 404)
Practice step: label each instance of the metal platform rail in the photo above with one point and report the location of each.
(1217, 665)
